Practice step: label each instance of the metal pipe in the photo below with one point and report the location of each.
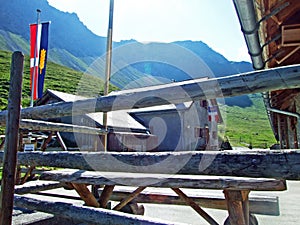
(297, 115)
(249, 26)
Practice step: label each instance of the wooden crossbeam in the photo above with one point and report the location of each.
(246, 83)
(290, 35)
(282, 164)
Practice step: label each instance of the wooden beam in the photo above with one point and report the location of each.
(290, 35)
(85, 214)
(37, 186)
(129, 198)
(246, 83)
(264, 163)
(11, 143)
(164, 180)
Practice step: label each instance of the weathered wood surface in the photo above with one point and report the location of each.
(246, 83)
(50, 126)
(259, 204)
(86, 214)
(282, 164)
(11, 142)
(164, 180)
(36, 186)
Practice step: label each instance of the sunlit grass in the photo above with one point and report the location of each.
(249, 126)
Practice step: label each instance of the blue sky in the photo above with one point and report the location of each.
(212, 21)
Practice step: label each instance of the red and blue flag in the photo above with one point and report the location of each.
(38, 57)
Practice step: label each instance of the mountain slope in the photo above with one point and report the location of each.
(74, 45)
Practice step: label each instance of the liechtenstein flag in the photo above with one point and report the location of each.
(38, 57)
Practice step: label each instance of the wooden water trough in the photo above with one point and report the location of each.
(238, 172)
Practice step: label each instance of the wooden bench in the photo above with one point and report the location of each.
(236, 189)
(258, 203)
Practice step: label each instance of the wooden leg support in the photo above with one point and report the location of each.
(27, 175)
(195, 206)
(86, 195)
(105, 195)
(238, 206)
(61, 142)
(129, 198)
(46, 142)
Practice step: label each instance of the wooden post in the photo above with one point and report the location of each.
(238, 206)
(11, 143)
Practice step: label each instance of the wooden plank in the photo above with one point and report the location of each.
(251, 82)
(11, 143)
(62, 127)
(259, 204)
(85, 214)
(164, 180)
(281, 164)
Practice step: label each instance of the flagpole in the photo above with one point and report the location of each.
(34, 59)
(108, 64)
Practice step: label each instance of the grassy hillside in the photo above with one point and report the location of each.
(248, 126)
